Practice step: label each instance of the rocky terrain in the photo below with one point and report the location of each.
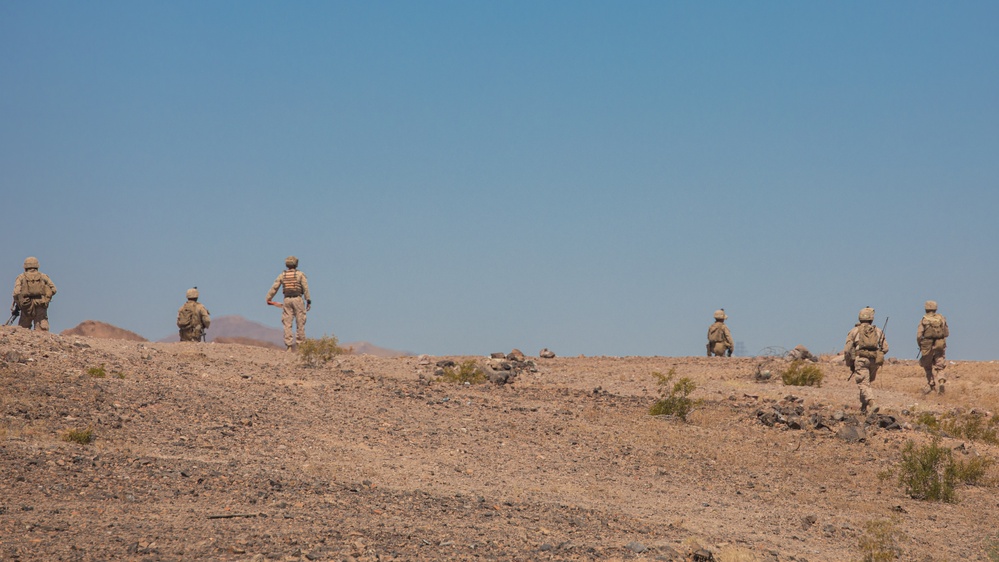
(232, 452)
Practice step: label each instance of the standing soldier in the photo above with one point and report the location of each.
(931, 336)
(719, 337)
(32, 292)
(868, 346)
(192, 318)
(294, 308)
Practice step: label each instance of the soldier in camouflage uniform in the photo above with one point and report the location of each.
(931, 337)
(867, 345)
(193, 318)
(33, 290)
(294, 309)
(719, 337)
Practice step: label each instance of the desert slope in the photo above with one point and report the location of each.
(230, 452)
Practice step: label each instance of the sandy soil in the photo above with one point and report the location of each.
(231, 452)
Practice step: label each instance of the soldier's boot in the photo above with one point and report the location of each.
(940, 385)
(930, 388)
(288, 348)
(872, 408)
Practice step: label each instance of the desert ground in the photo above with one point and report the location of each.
(234, 452)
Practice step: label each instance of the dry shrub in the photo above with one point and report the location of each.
(880, 541)
(800, 373)
(469, 371)
(97, 372)
(81, 436)
(928, 472)
(317, 352)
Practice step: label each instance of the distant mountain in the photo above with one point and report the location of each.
(94, 329)
(236, 329)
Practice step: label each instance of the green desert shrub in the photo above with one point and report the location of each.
(468, 371)
(97, 372)
(974, 426)
(317, 352)
(674, 396)
(928, 472)
(880, 541)
(801, 373)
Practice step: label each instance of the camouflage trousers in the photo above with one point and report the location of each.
(718, 349)
(193, 334)
(293, 311)
(867, 370)
(37, 314)
(934, 362)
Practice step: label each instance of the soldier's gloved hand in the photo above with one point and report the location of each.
(308, 305)
(728, 353)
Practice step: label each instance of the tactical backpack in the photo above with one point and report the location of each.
(188, 317)
(868, 338)
(716, 333)
(34, 285)
(292, 286)
(933, 327)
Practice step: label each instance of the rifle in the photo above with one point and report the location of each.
(15, 311)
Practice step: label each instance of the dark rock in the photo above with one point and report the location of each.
(445, 363)
(808, 521)
(546, 354)
(703, 555)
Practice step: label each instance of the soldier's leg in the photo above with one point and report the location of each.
(42, 318)
(287, 316)
(27, 317)
(939, 364)
(926, 362)
(864, 370)
(300, 321)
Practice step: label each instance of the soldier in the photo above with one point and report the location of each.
(295, 287)
(33, 290)
(719, 337)
(192, 318)
(801, 353)
(867, 345)
(931, 336)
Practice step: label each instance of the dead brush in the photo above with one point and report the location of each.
(974, 425)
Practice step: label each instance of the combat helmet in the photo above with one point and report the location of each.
(192, 294)
(866, 314)
(720, 315)
(931, 306)
(291, 261)
(31, 262)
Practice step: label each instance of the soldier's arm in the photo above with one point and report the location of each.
(884, 342)
(729, 343)
(206, 319)
(919, 333)
(305, 287)
(274, 288)
(946, 329)
(51, 285)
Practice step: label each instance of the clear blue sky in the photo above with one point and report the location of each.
(468, 177)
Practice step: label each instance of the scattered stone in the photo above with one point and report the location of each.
(516, 355)
(636, 547)
(808, 521)
(852, 433)
(423, 360)
(703, 555)
(445, 363)
(546, 354)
